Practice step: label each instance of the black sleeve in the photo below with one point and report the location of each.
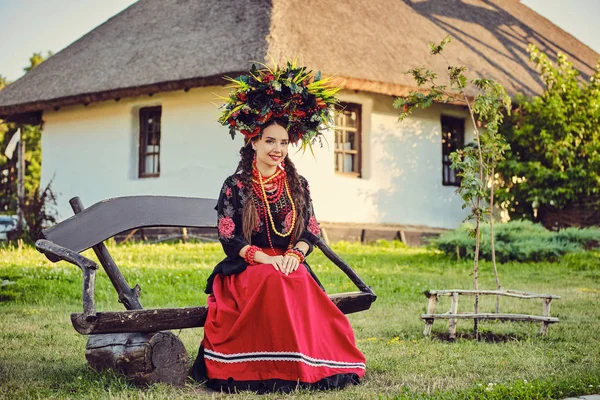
(312, 232)
(229, 214)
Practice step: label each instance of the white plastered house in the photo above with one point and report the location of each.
(129, 108)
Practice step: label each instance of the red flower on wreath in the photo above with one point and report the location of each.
(313, 226)
(266, 117)
(299, 113)
(226, 227)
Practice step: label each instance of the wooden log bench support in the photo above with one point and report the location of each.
(453, 315)
(143, 357)
(136, 342)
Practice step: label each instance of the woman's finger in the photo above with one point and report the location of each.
(274, 263)
(291, 263)
(280, 265)
(286, 265)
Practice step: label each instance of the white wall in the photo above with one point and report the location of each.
(92, 152)
(401, 169)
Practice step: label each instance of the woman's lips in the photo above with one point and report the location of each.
(275, 158)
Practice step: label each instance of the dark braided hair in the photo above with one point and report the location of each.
(249, 212)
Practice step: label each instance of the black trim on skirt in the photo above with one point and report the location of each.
(338, 381)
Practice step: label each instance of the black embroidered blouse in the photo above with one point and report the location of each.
(229, 214)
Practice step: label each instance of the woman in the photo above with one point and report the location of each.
(270, 326)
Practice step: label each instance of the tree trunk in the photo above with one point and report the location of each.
(492, 241)
(144, 358)
(476, 267)
(477, 211)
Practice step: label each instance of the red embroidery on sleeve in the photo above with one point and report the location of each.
(226, 227)
(313, 226)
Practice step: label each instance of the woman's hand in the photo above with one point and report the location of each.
(276, 262)
(290, 264)
(284, 264)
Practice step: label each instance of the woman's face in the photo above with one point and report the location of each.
(272, 147)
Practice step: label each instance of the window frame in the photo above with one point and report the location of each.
(143, 136)
(454, 123)
(357, 108)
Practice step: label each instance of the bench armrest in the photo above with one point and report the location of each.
(341, 264)
(88, 267)
(52, 249)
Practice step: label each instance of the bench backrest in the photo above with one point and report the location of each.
(91, 226)
(107, 218)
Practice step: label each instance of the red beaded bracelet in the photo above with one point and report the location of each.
(295, 253)
(300, 250)
(296, 256)
(250, 253)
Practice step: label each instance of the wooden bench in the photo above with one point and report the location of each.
(453, 315)
(130, 342)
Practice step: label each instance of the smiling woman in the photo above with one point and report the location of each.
(272, 147)
(270, 325)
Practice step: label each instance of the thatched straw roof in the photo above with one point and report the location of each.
(165, 45)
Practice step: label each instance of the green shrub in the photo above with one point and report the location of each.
(518, 241)
(554, 138)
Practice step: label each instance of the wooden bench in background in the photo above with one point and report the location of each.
(136, 342)
(453, 314)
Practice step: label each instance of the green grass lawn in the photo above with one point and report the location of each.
(41, 355)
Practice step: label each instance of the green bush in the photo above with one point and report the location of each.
(554, 160)
(518, 241)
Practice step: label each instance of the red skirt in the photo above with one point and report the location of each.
(266, 331)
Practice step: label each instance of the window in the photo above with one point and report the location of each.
(453, 138)
(149, 142)
(347, 150)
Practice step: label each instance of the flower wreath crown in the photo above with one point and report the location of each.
(291, 93)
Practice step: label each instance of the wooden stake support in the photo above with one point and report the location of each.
(545, 313)
(433, 299)
(453, 315)
(452, 321)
